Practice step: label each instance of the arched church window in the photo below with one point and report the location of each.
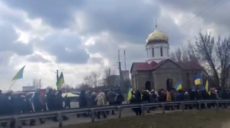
(161, 51)
(152, 52)
(147, 52)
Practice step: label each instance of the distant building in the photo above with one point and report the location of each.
(28, 88)
(36, 85)
(113, 80)
(160, 72)
(125, 74)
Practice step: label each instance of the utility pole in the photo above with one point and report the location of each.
(57, 77)
(125, 59)
(119, 68)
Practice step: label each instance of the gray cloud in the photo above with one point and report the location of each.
(5, 58)
(67, 48)
(211, 11)
(129, 20)
(108, 46)
(36, 58)
(56, 13)
(8, 41)
(167, 25)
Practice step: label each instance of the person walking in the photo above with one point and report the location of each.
(101, 101)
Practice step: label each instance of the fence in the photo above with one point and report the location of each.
(58, 114)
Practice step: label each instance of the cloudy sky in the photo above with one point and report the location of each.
(83, 36)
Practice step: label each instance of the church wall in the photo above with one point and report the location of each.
(162, 76)
(158, 77)
(167, 71)
(140, 78)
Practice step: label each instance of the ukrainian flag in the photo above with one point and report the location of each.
(198, 80)
(207, 87)
(130, 94)
(19, 74)
(179, 86)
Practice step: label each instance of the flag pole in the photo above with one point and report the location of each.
(12, 84)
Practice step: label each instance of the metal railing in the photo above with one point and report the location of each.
(92, 111)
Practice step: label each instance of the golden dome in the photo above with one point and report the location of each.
(157, 37)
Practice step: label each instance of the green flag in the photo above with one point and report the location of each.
(19, 74)
(60, 81)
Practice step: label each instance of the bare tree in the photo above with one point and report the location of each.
(205, 47)
(95, 77)
(185, 54)
(88, 81)
(191, 53)
(223, 55)
(216, 53)
(107, 76)
(92, 79)
(177, 55)
(84, 86)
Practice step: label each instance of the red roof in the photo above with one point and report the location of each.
(145, 66)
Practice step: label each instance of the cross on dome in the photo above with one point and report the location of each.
(156, 25)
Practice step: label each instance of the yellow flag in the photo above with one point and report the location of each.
(130, 94)
(206, 87)
(60, 81)
(197, 82)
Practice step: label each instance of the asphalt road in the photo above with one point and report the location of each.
(73, 119)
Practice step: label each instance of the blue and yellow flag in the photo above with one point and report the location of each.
(19, 74)
(207, 87)
(60, 81)
(179, 86)
(198, 80)
(130, 94)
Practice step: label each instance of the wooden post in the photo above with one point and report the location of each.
(183, 106)
(199, 105)
(16, 123)
(59, 117)
(92, 115)
(217, 105)
(163, 108)
(119, 109)
(142, 109)
(206, 105)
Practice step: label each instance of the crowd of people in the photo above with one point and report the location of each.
(162, 95)
(13, 103)
(100, 98)
(52, 100)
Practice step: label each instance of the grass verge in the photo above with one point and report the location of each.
(197, 119)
